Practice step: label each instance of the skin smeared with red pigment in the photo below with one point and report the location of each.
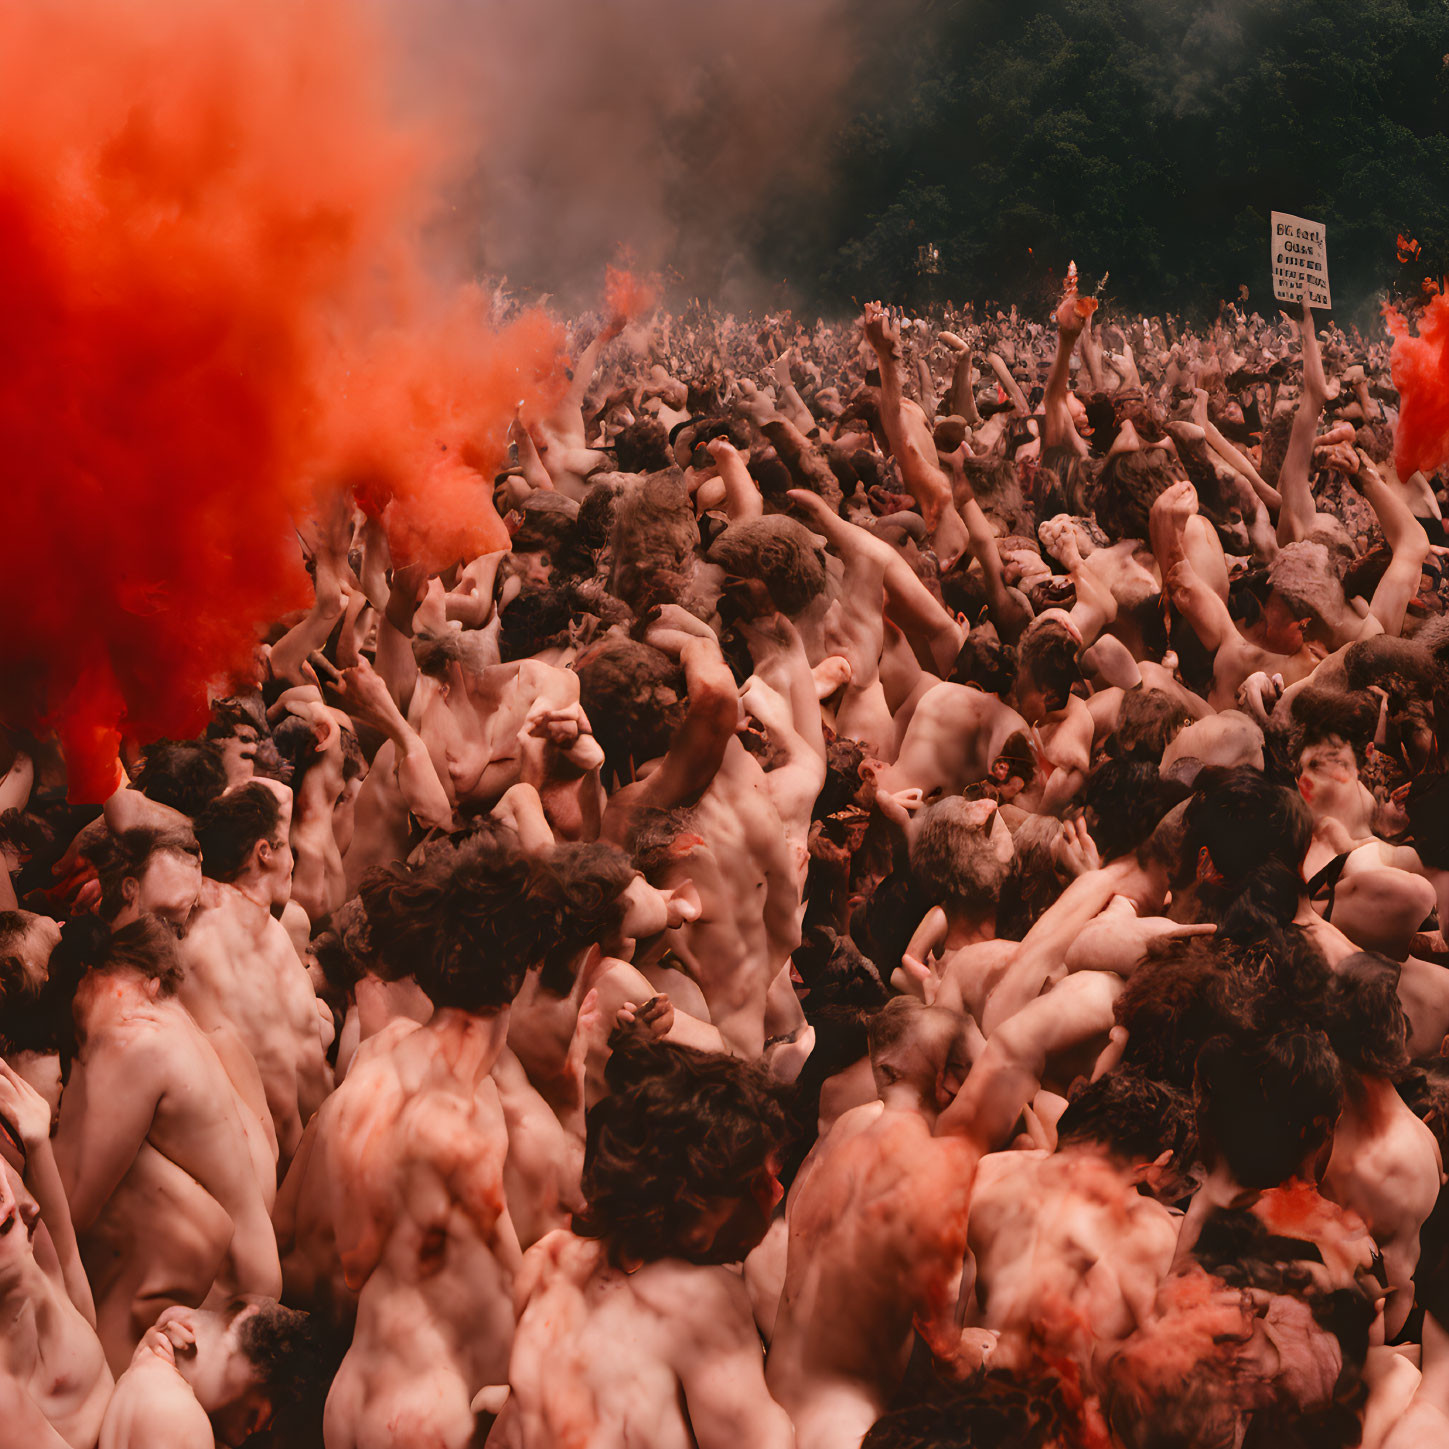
(1420, 368)
(204, 226)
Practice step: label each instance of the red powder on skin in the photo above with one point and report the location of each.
(212, 309)
(1420, 368)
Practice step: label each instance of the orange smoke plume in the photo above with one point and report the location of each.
(212, 311)
(626, 296)
(1420, 368)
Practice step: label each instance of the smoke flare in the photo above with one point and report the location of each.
(1420, 367)
(214, 305)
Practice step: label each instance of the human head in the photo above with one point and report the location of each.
(461, 924)
(1146, 1125)
(962, 853)
(538, 619)
(1047, 667)
(251, 1365)
(1181, 996)
(1268, 1103)
(244, 842)
(184, 774)
(238, 724)
(591, 894)
(1030, 1410)
(145, 949)
(151, 871)
(1125, 801)
(779, 552)
(1366, 1022)
(1302, 591)
(635, 698)
(1238, 820)
(680, 1157)
(921, 1047)
(31, 1017)
(1148, 720)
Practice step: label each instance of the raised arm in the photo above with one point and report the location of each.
(329, 560)
(366, 699)
(1058, 429)
(24, 1109)
(1008, 1073)
(1296, 516)
(742, 498)
(698, 748)
(923, 479)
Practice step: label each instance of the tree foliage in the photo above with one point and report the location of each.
(1148, 137)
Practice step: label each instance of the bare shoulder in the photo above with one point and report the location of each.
(699, 1303)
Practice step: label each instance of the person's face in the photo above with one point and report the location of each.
(239, 753)
(1391, 817)
(1030, 700)
(1325, 771)
(18, 1215)
(170, 887)
(223, 1379)
(1283, 630)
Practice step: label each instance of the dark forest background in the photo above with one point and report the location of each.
(1151, 138)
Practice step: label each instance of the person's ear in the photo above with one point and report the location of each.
(262, 855)
(129, 889)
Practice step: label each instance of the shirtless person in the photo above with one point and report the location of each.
(244, 981)
(54, 1381)
(743, 867)
(426, 1232)
(638, 1332)
(202, 1377)
(152, 1147)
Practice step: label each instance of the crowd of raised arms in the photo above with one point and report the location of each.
(906, 909)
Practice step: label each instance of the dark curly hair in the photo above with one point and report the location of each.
(577, 895)
(32, 1019)
(125, 857)
(1047, 656)
(87, 944)
(231, 825)
(1134, 1117)
(1183, 994)
(293, 1361)
(1267, 1102)
(779, 552)
(458, 924)
(184, 774)
(625, 690)
(997, 1410)
(678, 1129)
(1147, 722)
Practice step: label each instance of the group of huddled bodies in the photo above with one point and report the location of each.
(904, 909)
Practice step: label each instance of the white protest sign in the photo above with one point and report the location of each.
(1299, 249)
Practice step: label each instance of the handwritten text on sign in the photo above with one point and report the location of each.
(1300, 260)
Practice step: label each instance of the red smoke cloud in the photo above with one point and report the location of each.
(626, 296)
(202, 279)
(1420, 367)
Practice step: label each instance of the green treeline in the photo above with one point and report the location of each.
(1148, 137)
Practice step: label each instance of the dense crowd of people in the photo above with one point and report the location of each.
(905, 910)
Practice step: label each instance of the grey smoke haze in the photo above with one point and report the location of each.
(668, 129)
